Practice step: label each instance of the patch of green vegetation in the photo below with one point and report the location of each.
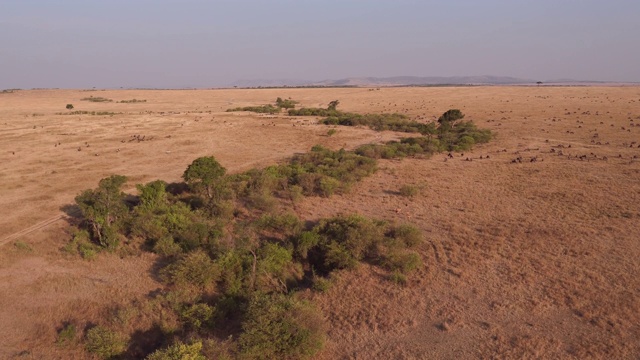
(104, 343)
(286, 103)
(66, 335)
(179, 351)
(22, 246)
(96, 99)
(264, 109)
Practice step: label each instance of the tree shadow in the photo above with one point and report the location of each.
(144, 342)
(71, 210)
(177, 188)
(157, 267)
(74, 214)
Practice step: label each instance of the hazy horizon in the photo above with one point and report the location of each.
(197, 43)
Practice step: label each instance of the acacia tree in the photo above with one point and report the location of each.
(204, 176)
(103, 209)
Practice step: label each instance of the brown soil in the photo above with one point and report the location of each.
(522, 260)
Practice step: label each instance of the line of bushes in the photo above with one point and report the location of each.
(269, 108)
(83, 112)
(235, 258)
(131, 101)
(96, 99)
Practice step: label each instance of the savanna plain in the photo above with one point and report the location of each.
(529, 243)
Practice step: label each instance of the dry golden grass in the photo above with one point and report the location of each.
(522, 260)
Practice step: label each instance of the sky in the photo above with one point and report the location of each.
(197, 43)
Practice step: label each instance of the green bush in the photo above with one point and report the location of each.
(284, 224)
(409, 190)
(67, 334)
(104, 343)
(344, 241)
(278, 327)
(179, 351)
(408, 235)
(195, 269)
(69, 106)
(198, 315)
(397, 278)
(401, 261)
(286, 104)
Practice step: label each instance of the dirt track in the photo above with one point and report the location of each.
(523, 260)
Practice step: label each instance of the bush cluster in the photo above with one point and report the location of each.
(264, 109)
(234, 259)
(96, 99)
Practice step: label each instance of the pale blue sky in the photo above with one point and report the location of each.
(171, 43)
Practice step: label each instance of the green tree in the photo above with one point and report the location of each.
(333, 105)
(103, 209)
(205, 176)
(450, 116)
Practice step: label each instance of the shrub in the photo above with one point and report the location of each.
(278, 327)
(409, 190)
(195, 269)
(198, 315)
(286, 104)
(22, 246)
(286, 224)
(275, 268)
(179, 351)
(344, 241)
(104, 343)
(69, 106)
(320, 284)
(67, 334)
(401, 261)
(332, 132)
(408, 235)
(397, 278)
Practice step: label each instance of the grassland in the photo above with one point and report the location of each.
(530, 240)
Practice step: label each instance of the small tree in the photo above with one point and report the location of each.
(450, 116)
(103, 208)
(333, 105)
(69, 106)
(204, 176)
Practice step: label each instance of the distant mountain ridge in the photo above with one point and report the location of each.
(390, 81)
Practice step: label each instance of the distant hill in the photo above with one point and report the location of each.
(428, 80)
(390, 81)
